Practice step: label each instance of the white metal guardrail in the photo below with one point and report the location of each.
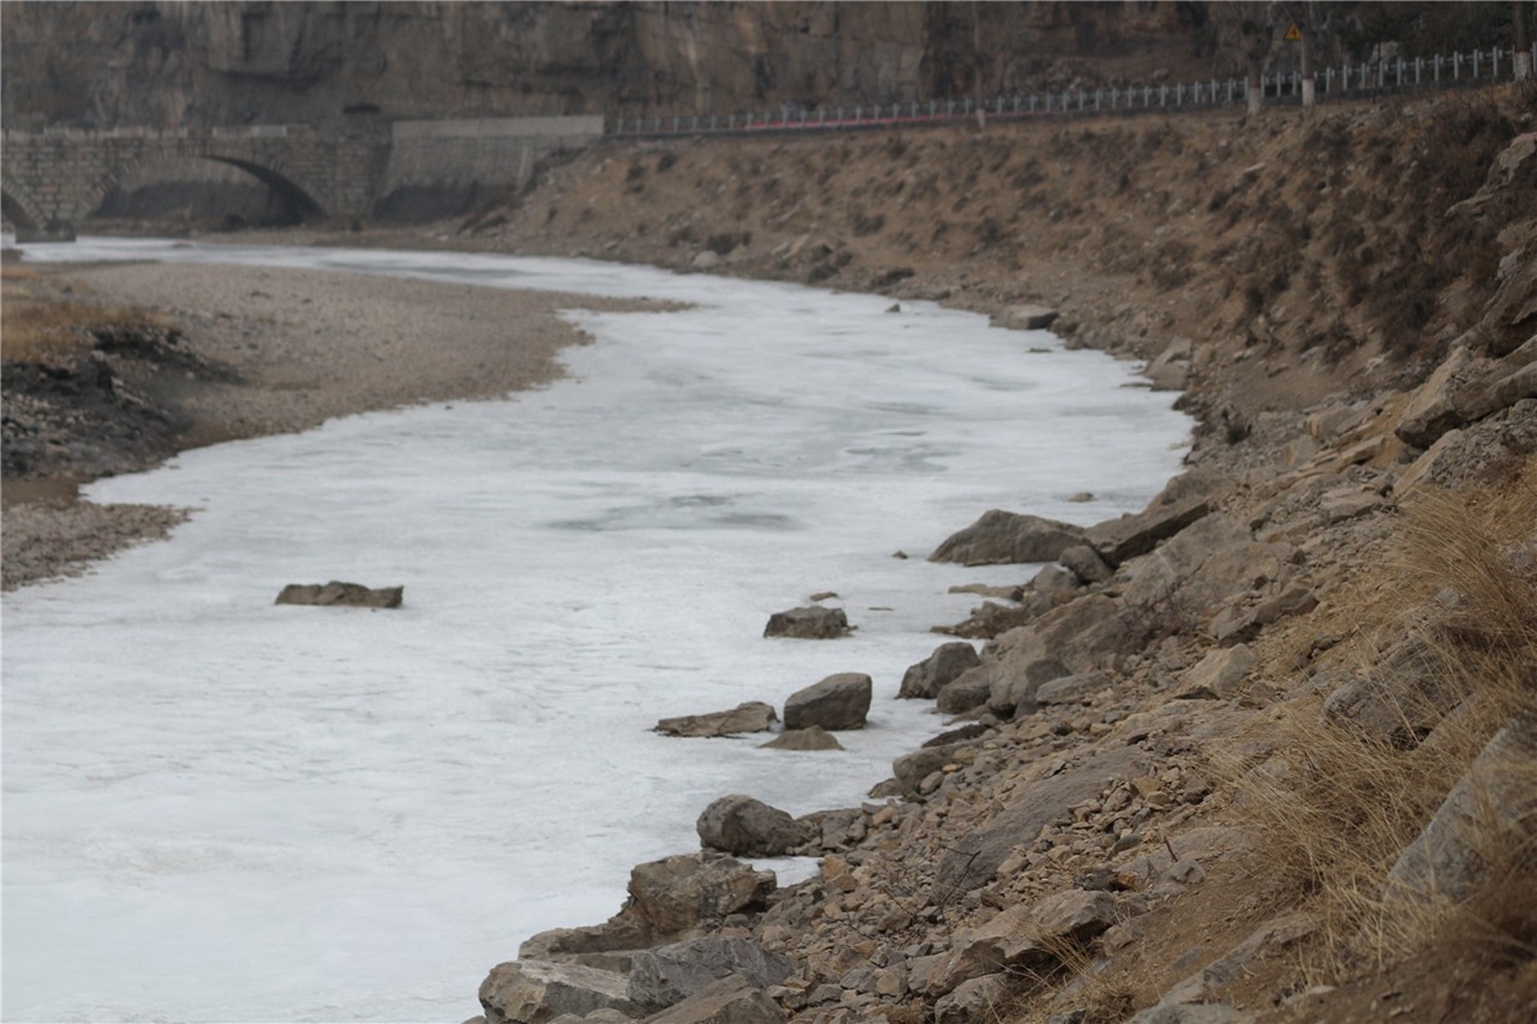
(1348, 81)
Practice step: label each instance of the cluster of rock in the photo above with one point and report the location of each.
(1075, 798)
(840, 701)
(338, 593)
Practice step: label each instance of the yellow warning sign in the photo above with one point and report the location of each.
(1294, 34)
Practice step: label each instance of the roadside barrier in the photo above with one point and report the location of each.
(1350, 81)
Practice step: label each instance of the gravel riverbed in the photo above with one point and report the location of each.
(270, 351)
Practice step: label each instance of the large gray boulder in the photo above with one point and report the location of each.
(1000, 538)
(841, 701)
(1079, 636)
(1401, 698)
(973, 858)
(670, 974)
(668, 898)
(1194, 573)
(911, 769)
(812, 622)
(353, 595)
(1217, 676)
(535, 992)
(733, 1000)
(675, 894)
(1464, 389)
(749, 827)
(966, 692)
(1171, 370)
(1072, 689)
(1495, 801)
(929, 676)
(752, 716)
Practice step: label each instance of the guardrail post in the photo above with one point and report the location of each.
(1016, 103)
(1494, 57)
(1456, 67)
(1476, 56)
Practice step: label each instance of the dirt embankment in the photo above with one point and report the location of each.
(1304, 254)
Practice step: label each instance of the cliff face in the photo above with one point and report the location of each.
(149, 63)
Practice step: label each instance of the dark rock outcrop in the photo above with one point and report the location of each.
(812, 622)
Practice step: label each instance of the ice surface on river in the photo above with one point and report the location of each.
(219, 809)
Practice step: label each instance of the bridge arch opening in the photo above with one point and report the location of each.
(214, 190)
(18, 214)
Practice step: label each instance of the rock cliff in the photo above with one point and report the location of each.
(157, 63)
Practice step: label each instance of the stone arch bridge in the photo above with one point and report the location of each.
(51, 180)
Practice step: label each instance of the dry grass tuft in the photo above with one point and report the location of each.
(36, 326)
(1072, 981)
(1336, 808)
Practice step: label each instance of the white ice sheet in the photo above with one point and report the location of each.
(219, 809)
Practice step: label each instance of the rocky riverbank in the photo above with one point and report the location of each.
(1256, 754)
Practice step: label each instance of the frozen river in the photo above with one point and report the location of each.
(216, 809)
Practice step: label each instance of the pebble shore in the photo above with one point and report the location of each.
(292, 350)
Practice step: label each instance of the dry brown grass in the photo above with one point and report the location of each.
(1336, 808)
(1074, 980)
(38, 325)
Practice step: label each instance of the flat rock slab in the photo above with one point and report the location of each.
(733, 1000)
(1025, 318)
(532, 992)
(752, 716)
(1116, 540)
(670, 974)
(353, 595)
